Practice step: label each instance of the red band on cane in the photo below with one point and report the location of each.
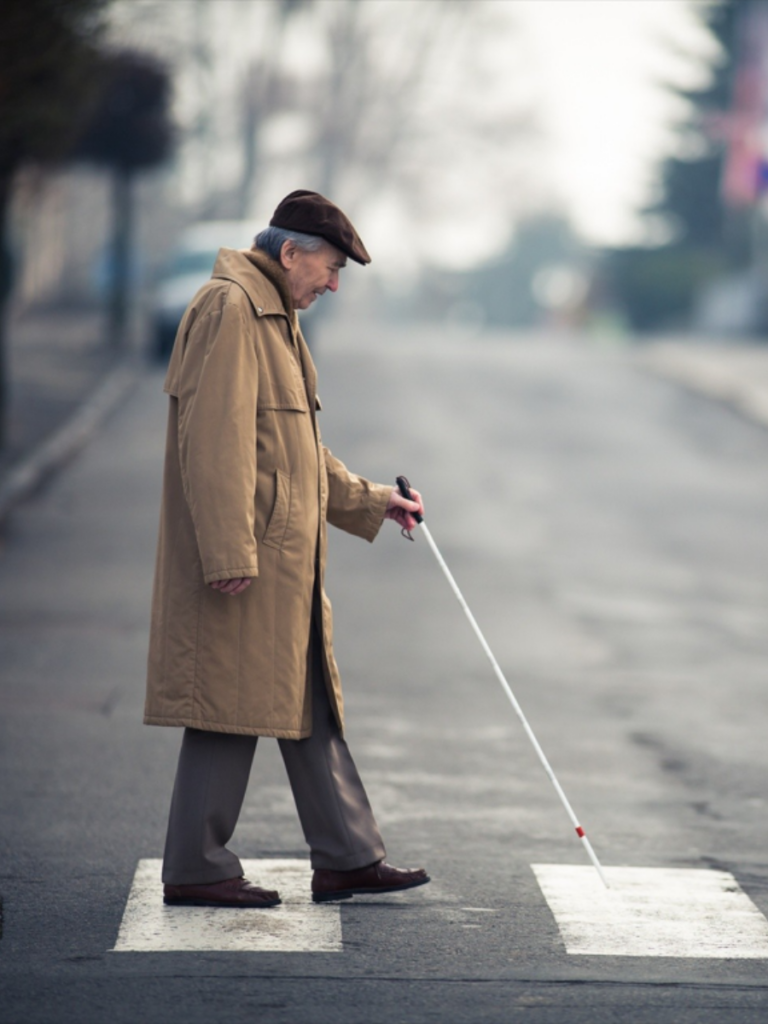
(580, 832)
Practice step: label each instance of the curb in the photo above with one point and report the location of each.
(42, 462)
(727, 376)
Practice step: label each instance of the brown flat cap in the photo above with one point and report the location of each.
(313, 214)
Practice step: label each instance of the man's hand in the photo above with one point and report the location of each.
(231, 587)
(400, 509)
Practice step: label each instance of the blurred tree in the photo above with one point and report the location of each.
(411, 105)
(691, 183)
(48, 66)
(129, 131)
(261, 95)
(400, 111)
(657, 285)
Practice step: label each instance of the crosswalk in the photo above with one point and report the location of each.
(647, 912)
(296, 926)
(653, 912)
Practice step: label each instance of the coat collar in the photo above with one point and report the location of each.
(266, 285)
(261, 277)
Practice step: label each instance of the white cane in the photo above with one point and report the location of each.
(404, 489)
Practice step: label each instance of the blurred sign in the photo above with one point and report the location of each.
(745, 171)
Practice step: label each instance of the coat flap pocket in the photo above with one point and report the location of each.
(278, 396)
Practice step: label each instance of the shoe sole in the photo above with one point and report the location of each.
(227, 906)
(346, 894)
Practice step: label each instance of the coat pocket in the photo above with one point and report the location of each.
(279, 397)
(277, 527)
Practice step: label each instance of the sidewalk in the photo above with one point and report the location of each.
(63, 379)
(733, 373)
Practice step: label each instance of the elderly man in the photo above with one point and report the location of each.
(241, 633)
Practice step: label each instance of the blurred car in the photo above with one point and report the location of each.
(188, 268)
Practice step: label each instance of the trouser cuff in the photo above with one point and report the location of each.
(353, 861)
(204, 876)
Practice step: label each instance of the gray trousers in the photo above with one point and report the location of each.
(211, 781)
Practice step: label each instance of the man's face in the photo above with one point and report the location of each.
(311, 273)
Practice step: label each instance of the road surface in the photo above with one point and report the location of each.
(609, 532)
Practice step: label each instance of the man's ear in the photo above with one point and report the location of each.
(287, 253)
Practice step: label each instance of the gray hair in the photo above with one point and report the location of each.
(271, 241)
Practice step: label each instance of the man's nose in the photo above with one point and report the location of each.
(333, 282)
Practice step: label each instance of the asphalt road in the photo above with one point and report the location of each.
(608, 531)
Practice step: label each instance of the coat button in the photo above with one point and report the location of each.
(259, 310)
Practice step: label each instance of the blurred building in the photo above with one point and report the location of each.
(60, 226)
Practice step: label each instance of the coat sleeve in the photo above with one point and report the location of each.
(354, 503)
(217, 388)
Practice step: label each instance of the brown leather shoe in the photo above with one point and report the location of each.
(376, 878)
(232, 892)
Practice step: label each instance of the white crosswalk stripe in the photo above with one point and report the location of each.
(296, 926)
(647, 912)
(653, 912)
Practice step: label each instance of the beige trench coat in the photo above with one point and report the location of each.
(247, 489)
